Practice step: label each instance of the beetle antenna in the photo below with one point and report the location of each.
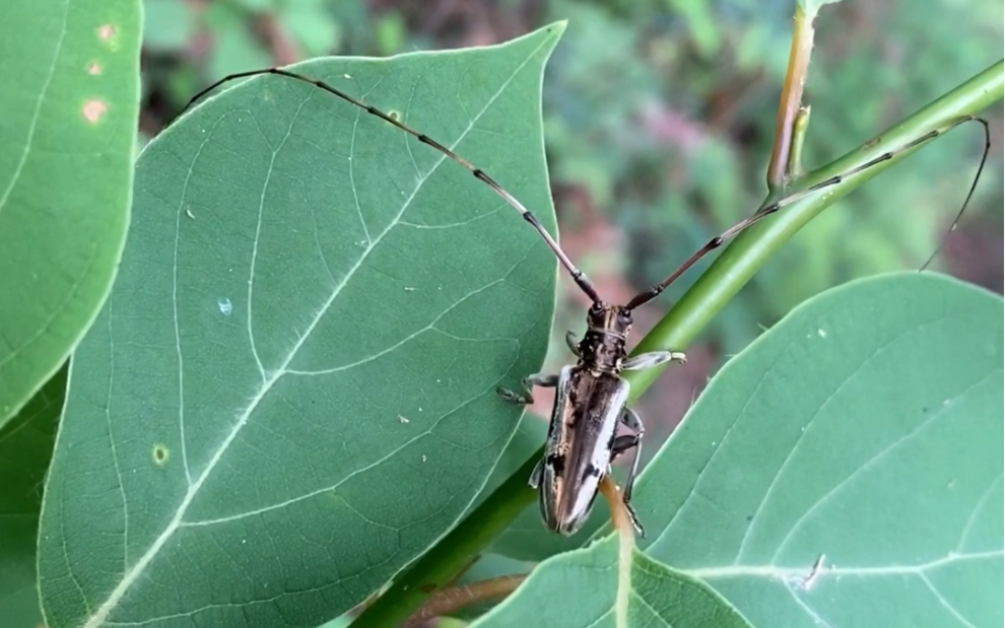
(577, 275)
(651, 293)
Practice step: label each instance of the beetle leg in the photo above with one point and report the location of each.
(635, 521)
(654, 358)
(526, 397)
(622, 444)
(572, 342)
(536, 474)
(629, 441)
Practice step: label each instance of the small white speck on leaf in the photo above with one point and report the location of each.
(226, 307)
(402, 419)
(409, 289)
(821, 333)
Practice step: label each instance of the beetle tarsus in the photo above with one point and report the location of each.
(514, 397)
(652, 359)
(635, 520)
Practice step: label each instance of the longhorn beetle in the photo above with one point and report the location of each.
(591, 397)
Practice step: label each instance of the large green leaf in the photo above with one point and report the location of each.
(844, 470)
(863, 432)
(290, 392)
(581, 589)
(25, 451)
(70, 73)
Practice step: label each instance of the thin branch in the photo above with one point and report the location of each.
(454, 599)
(791, 100)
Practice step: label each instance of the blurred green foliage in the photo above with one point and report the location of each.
(659, 116)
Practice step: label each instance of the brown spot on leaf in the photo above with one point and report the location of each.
(94, 109)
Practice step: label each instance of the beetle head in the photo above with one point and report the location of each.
(609, 319)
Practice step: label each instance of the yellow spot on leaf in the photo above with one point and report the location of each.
(94, 109)
(106, 31)
(94, 68)
(160, 454)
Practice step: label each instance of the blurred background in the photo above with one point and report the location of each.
(658, 118)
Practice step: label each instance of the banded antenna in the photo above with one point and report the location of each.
(579, 276)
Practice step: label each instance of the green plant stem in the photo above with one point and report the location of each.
(724, 278)
(454, 552)
(794, 169)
